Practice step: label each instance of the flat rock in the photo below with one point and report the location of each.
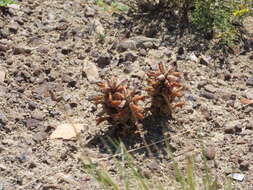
(2, 75)
(141, 40)
(127, 44)
(207, 95)
(148, 45)
(66, 131)
(237, 176)
(3, 91)
(210, 88)
(91, 72)
(21, 50)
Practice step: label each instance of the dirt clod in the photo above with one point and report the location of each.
(244, 166)
(210, 153)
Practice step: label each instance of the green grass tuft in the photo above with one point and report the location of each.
(132, 177)
(4, 3)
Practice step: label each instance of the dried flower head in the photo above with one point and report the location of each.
(119, 103)
(164, 88)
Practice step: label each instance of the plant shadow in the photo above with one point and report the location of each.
(155, 143)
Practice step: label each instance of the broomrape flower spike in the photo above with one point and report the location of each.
(164, 88)
(119, 103)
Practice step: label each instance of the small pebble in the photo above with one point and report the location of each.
(2, 76)
(210, 88)
(237, 176)
(244, 166)
(210, 153)
(250, 82)
(91, 72)
(143, 52)
(153, 165)
(207, 95)
(90, 11)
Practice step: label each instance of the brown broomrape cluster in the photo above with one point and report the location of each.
(121, 104)
(164, 88)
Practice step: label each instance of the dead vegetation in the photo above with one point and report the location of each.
(121, 103)
(164, 89)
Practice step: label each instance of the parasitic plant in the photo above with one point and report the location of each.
(164, 88)
(119, 103)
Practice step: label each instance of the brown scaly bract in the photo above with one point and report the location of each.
(120, 104)
(164, 88)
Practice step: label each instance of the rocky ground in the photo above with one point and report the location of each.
(51, 55)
